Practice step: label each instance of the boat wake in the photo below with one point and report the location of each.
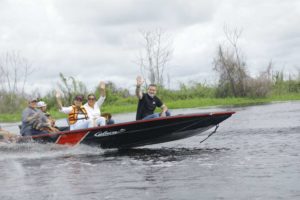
(42, 151)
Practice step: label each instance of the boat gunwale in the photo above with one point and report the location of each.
(134, 122)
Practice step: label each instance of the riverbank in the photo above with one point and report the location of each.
(187, 103)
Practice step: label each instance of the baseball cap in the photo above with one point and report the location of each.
(41, 104)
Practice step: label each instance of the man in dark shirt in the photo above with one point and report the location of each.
(148, 102)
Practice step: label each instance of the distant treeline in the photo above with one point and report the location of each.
(277, 85)
(14, 103)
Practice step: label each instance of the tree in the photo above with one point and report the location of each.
(70, 87)
(14, 72)
(261, 86)
(154, 56)
(233, 76)
(229, 64)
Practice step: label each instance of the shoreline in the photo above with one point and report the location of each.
(179, 104)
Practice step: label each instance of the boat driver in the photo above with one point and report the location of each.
(33, 120)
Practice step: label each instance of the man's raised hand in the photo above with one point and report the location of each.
(139, 81)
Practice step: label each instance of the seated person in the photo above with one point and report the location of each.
(148, 102)
(77, 114)
(108, 118)
(34, 122)
(43, 107)
(93, 107)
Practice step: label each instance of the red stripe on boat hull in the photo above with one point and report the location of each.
(71, 139)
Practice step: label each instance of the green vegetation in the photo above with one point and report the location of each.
(129, 104)
(193, 95)
(10, 117)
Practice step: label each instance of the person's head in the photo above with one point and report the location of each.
(91, 99)
(78, 100)
(152, 89)
(32, 101)
(41, 105)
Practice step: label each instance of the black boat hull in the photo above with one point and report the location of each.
(138, 133)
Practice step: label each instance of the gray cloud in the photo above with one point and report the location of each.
(94, 40)
(122, 12)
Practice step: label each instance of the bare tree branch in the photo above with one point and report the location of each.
(14, 72)
(154, 56)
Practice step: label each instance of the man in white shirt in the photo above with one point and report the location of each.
(93, 107)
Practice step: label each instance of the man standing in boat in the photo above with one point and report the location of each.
(148, 102)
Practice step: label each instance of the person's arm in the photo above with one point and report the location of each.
(29, 115)
(66, 110)
(102, 89)
(164, 109)
(58, 100)
(138, 91)
(163, 106)
(62, 109)
(102, 93)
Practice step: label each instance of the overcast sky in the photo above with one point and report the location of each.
(95, 40)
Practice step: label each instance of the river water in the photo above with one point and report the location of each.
(253, 155)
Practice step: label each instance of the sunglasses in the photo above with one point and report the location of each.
(91, 99)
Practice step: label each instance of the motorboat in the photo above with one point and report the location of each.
(138, 133)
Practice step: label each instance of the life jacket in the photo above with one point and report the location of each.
(73, 115)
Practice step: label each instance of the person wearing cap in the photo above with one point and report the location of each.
(43, 107)
(93, 107)
(77, 114)
(30, 116)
